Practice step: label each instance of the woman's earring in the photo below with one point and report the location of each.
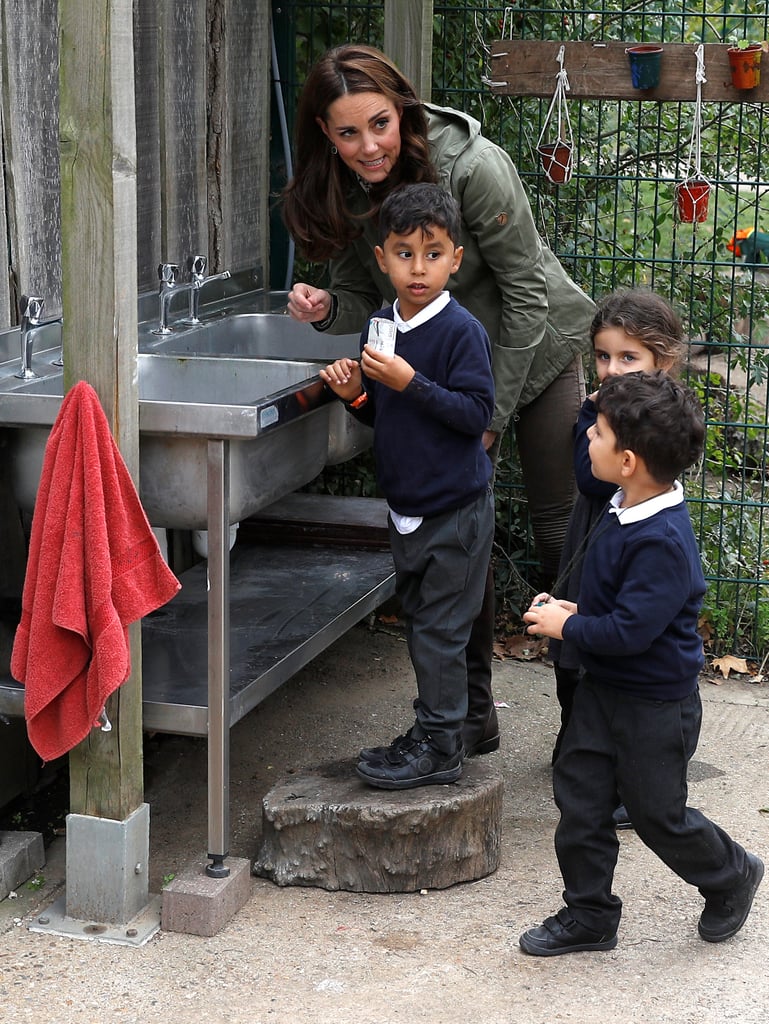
(334, 150)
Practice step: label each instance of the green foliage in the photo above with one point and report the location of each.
(733, 547)
(356, 478)
(736, 442)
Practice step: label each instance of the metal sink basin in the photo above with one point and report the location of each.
(269, 335)
(274, 413)
(252, 335)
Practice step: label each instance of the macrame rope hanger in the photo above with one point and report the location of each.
(695, 183)
(694, 161)
(562, 148)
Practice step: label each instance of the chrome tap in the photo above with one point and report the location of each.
(169, 287)
(167, 276)
(31, 309)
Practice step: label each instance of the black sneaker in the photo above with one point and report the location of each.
(412, 763)
(724, 915)
(373, 754)
(562, 934)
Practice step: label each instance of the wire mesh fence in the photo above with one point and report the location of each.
(615, 224)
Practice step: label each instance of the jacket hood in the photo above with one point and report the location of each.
(450, 133)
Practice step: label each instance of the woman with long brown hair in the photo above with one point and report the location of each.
(361, 131)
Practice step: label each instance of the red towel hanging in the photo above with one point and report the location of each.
(94, 567)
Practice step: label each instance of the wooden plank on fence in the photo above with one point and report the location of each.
(31, 141)
(148, 193)
(5, 283)
(238, 134)
(528, 67)
(183, 89)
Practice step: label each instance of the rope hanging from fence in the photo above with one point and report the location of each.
(557, 156)
(693, 193)
(694, 160)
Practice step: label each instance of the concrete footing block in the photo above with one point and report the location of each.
(21, 855)
(327, 828)
(196, 904)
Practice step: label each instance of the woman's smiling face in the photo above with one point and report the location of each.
(365, 127)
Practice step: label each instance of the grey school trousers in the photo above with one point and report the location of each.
(440, 576)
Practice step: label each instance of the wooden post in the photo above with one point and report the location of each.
(408, 40)
(98, 182)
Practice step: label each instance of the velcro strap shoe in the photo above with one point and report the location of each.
(562, 934)
(412, 763)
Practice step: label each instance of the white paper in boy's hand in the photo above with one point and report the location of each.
(381, 335)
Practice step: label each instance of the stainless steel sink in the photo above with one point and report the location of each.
(269, 335)
(252, 335)
(247, 374)
(274, 413)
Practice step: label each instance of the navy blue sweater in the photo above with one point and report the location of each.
(428, 438)
(641, 590)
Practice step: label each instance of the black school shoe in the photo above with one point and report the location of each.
(562, 934)
(724, 915)
(481, 737)
(410, 764)
(374, 754)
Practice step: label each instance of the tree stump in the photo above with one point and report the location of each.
(325, 827)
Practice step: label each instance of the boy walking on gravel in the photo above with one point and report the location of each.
(636, 716)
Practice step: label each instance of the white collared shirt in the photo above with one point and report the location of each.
(433, 309)
(645, 509)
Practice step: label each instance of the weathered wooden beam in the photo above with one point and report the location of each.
(238, 129)
(408, 40)
(98, 188)
(601, 71)
(31, 152)
(183, 89)
(148, 102)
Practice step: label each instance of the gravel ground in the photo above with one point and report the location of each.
(297, 954)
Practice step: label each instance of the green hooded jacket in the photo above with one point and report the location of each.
(537, 319)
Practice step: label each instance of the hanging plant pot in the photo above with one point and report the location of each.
(745, 65)
(645, 61)
(556, 159)
(692, 200)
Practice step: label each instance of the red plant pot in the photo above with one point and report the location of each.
(556, 159)
(692, 200)
(745, 65)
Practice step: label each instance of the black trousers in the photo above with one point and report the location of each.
(440, 578)
(621, 747)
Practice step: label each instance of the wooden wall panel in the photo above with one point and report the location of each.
(202, 101)
(148, 193)
(31, 142)
(183, 95)
(239, 133)
(5, 278)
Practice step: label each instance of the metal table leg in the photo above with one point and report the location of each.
(218, 510)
